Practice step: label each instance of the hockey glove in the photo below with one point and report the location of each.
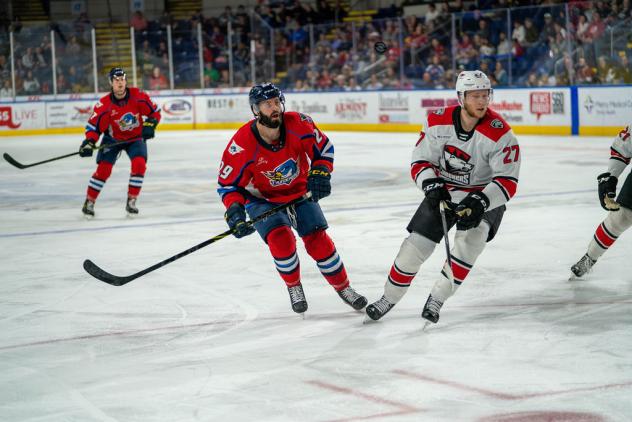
(86, 148)
(435, 190)
(149, 127)
(236, 218)
(318, 183)
(607, 186)
(471, 209)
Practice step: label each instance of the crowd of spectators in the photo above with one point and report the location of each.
(309, 47)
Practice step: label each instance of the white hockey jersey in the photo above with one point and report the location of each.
(620, 152)
(489, 161)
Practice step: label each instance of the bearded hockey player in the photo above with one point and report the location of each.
(619, 217)
(467, 156)
(272, 160)
(126, 117)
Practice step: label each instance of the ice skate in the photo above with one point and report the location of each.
(297, 298)
(88, 209)
(378, 309)
(130, 207)
(583, 266)
(352, 298)
(431, 309)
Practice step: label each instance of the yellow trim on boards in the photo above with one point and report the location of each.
(354, 127)
(600, 130)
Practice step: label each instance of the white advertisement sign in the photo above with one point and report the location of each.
(17, 116)
(175, 109)
(68, 114)
(335, 107)
(605, 106)
(222, 108)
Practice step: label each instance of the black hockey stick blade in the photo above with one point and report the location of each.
(12, 161)
(97, 272)
(100, 274)
(15, 163)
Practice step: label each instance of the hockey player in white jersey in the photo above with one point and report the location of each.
(467, 156)
(619, 217)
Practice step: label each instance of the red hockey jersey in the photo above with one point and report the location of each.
(121, 119)
(251, 168)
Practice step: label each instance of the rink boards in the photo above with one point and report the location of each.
(596, 111)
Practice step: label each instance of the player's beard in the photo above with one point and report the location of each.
(268, 122)
(473, 112)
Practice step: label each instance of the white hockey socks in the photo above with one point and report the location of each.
(414, 251)
(608, 231)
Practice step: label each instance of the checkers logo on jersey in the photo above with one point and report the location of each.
(456, 167)
(497, 124)
(233, 148)
(284, 174)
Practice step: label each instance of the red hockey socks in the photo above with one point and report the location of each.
(282, 244)
(98, 179)
(320, 247)
(136, 176)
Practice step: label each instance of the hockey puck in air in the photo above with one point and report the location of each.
(380, 47)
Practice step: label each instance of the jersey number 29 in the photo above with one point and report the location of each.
(224, 171)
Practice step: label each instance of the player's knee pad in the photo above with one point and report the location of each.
(139, 165)
(281, 241)
(104, 170)
(468, 244)
(414, 251)
(318, 244)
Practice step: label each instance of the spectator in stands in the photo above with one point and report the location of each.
(158, 80)
(582, 29)
(436, 70)
(519, 32)
(73, 48)
(532, 80)
(483, 29)
(548, 28)
(605, 71)
(62, 83)
(431, 14)
(28, 59)
(5, 68)
(373, 83)
(6, 91)
(504, 46)
(31, 85)
(531, 35)
(487, 51)
(138, 21)
(500, 74)
(623, 72)
(353, 85)
(584, 73)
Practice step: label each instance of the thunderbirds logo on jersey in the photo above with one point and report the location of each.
(129, 121)
(284, 174)
(233, 148)
(456, 167)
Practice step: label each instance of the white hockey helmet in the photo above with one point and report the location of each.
(472, 80)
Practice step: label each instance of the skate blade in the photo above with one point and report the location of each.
(88, 217)
(131, 216)
(427, 325)
(368, 320)
(573, 277)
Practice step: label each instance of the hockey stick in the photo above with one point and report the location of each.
(21, 166)
(95, 271)
(442, 209)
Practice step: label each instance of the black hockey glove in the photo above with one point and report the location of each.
(236, 218)
(607, 186)
(471, 209)
(149, 127)
(435, 190)
(319, 183)
(86, 148)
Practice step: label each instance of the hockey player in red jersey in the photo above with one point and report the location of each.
(467, 156)
(126, 117)
(274, 159)
(619, 217)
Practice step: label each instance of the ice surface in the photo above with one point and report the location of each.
(212, 337)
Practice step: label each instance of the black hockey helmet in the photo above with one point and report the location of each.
(263, 92)
(116, 72)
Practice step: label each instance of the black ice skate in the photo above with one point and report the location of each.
(583, 266)
(431, 309)
(378, 309)
(297, 298)
(88, 208)
(352, 298)
(130, 206)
